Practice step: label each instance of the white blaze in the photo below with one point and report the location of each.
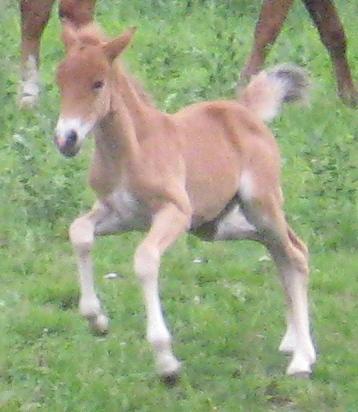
(65, 125)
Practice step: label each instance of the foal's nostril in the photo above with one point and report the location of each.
(71, 137)
(67, 142)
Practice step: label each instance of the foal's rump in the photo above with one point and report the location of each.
(221, 140)
(228, 150)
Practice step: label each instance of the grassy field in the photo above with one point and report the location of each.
(225, 313)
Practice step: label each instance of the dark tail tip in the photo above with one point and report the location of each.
(295, 79)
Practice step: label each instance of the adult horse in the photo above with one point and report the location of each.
(34, 17)
(330, 28)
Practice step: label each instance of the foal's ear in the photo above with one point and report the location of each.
(69, 35)
(114, 47)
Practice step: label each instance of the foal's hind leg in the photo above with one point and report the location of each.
(34, 17)
(331, 31)
(288, 342)
(99, 221)
(263, 210)
(235, 226)
(272, 16)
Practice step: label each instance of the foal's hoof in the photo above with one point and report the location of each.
(99, 324)
(299, 367)
(170, 380)
(169, 369)
(302, 375)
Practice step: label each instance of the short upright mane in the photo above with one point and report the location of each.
(92, 34)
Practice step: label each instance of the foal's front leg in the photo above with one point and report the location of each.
(168, 224)
(99, 221)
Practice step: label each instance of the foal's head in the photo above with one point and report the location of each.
(84, 79)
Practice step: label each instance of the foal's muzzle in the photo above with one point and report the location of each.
(68, 144)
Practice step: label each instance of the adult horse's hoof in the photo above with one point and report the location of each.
(28, 101)
(348, 93)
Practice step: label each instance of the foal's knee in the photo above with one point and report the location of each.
(297, 265)
(146, 262)
(81, 235)
(301, 263)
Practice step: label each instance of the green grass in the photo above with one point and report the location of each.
(226, 314)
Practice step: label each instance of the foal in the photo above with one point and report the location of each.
(34, 17)
(212, 168)
(326, 19)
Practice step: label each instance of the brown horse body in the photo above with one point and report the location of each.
(213, 168)
(325, 17)
(34, 17)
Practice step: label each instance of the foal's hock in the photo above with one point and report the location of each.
(212, 168)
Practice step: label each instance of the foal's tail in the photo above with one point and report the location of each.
(269, 89)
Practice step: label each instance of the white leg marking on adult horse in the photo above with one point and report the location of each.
(30, 83)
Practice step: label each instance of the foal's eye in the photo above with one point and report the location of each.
(98, 85)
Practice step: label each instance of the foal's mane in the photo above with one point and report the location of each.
(92, 34)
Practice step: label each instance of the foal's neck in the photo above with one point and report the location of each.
(120, 131)
(134, 96)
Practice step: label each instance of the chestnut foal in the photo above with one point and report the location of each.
(213, 168)
(34, 17)
(325, 17)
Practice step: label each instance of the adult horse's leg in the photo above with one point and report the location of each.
(99, 221)
(34, 17)
(332, 34)
(167, 225)
(273, 14)
(78, 12)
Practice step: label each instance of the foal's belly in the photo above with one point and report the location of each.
(230, 224)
